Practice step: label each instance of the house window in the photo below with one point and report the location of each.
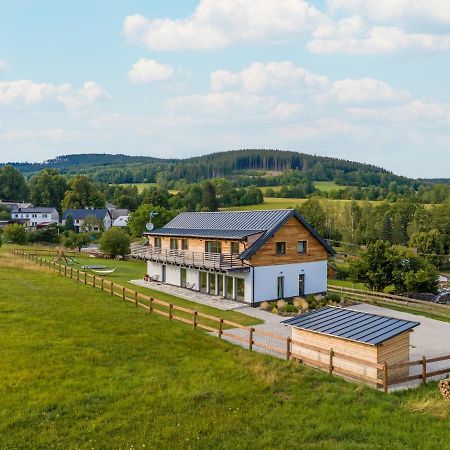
(301, 284)
(281, 248)
(173, 244)
(213, 247)
(157, 242)
(240, 289)
(183, 277)
(280, 287)
(235, 248)
(184, 244)
(301, 247)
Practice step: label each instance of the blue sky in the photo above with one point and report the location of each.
(364, 80)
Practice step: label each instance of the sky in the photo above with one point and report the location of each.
(364, 80)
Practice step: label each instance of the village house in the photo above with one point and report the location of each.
(248, 256)
(98, 219)
(35, 217)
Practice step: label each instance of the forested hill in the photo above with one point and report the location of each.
(83, 160)
(250, 166)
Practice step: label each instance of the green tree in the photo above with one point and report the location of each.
(140, 218)
(69, 224)
(12, 185)
(76, 240)
(430, 245)
(115, 242)
(47, 188)
(15, 233)
(209, 198)
(83, 193)
(92, 222)
(313, 212)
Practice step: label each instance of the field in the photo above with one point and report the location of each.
(142, 186)
(135, 270)
(81, 369)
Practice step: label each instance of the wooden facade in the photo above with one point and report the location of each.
(291, 232)
(391, 351)
(198, 244)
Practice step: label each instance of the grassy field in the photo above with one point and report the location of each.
(328, 186)
(142, 186)
(135, 270)
(81, 369)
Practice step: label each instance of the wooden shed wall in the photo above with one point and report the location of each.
(393, 351)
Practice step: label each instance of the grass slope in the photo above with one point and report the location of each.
(83, 370)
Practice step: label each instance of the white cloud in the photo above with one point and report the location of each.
(363, 90)
(148, 70)
(91, 92)
(217, 24)
(274, 75)
(395, 10)
(232, 106)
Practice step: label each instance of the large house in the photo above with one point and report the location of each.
(248, 256)
(101, 216)
(35, 217)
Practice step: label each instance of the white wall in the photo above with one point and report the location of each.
(266, 279)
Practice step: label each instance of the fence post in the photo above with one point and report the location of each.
(288, 348)
(78, 274)
(250, 338)
(150, 305)
(135, 298)
(170, 311)
(194, 319)
(220, 328)
(424, 370)
(93, 282)
(71, 272)
(59, 269)
(112, 288)
(65, 271)
(85, 277)
(123, 294)
(385, 377)
(330, 367)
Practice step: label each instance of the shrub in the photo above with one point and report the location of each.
(301, 303)
(15, 233)
(281, 304)
(333, 297)
(289, 308)
(342, 273)
(115, 242)
(265, 306)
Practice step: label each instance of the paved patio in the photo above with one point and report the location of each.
(193, 296)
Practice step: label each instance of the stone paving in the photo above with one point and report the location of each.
(193, 296)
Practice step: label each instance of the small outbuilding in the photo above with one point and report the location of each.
(352, 337)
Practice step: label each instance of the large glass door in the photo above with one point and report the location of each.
(212, 283)
(183, 277)
(203, 281)
(240, 289)
(163, 274)
(229, 287)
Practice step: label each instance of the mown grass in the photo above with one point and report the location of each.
(135, 270)
(83, 370)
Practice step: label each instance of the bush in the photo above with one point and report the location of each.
(333, 297)
(342, 273)
(289, 308)
(301, 303)
(76, 240)
(49, 234)
(265, 306)
(15, 233)
(281, 304)
(115, 242)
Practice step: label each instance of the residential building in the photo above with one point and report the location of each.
(79, 216)
(248, 256)
(37, 216)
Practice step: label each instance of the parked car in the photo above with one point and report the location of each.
(443, 298)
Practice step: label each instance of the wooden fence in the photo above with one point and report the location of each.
(245, 335)
(380, 297)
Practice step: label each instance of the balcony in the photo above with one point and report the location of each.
(200, 260)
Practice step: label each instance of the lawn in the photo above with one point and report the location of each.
(81, 369)
(328, 186)
(135, 270)
(142, 186)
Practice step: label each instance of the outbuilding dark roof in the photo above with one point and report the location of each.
(78, 214)
(243, 222)
(350, 324)
(217, 234)
(35, 209)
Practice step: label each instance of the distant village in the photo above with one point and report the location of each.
(35, 217)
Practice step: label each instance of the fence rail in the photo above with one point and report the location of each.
(219, 326)
(380, 297)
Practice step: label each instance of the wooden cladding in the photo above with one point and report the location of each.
(290, 234)
(197, 244)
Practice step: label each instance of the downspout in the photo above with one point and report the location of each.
(253, 286)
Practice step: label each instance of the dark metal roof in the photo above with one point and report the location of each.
(35, 209)
(219, 234)
(78, 214)
(350, 324)
(267, 221)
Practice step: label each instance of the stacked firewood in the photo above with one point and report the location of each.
(444, 386)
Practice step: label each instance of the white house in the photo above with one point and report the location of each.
(248, 256)
(121, 221)
(79, 217)
(35, 216)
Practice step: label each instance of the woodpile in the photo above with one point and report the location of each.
(444, 386)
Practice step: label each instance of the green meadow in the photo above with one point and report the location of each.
(81, 369)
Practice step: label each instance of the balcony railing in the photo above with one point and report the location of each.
(219, 261)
